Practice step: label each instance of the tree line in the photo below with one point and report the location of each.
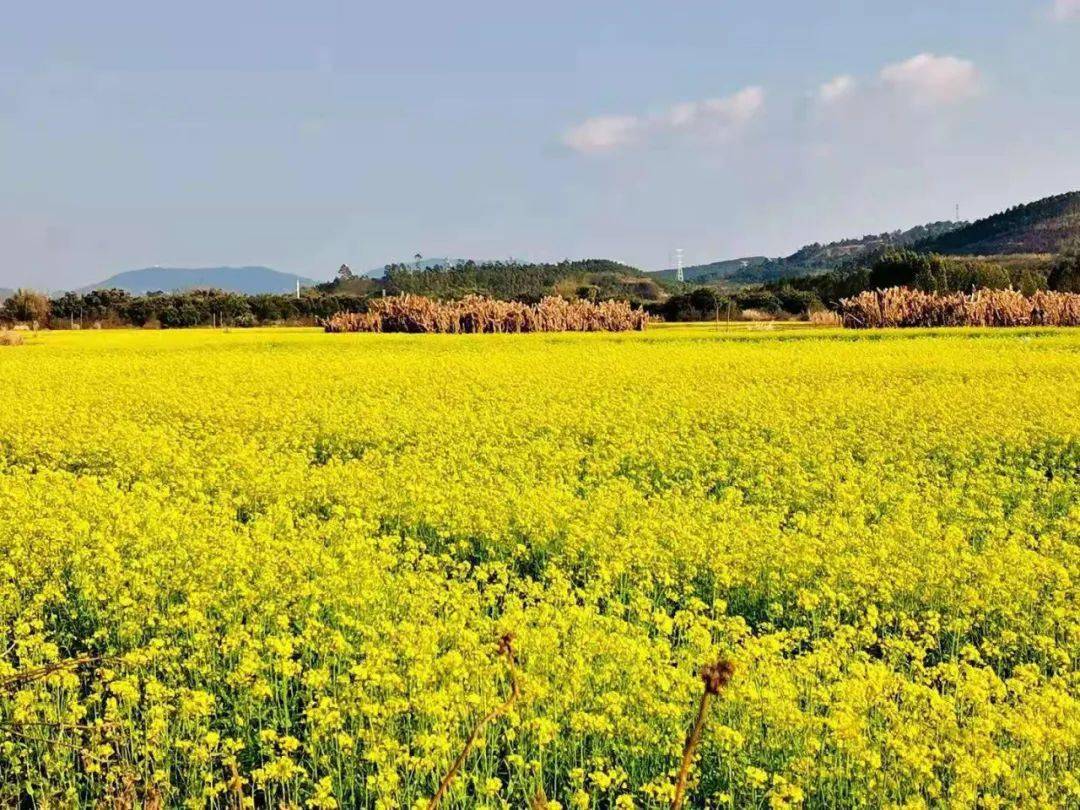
(527, 282)
(173, 310)
(595, 280)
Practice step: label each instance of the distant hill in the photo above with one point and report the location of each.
(809, 259)
(725, 269)
(833, 254)
(1037, 227)
(248, 280)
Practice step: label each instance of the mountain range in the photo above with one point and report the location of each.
(247, 280)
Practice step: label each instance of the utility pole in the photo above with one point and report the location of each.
(298, 289)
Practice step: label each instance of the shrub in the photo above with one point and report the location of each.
(797, 302)
(759, 299)
(756, 315)
(700, 304)
(826, 317)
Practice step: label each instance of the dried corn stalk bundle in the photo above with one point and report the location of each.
(902, 306)
(474, 313)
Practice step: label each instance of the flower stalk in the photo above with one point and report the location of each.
(715, 677)
(506, 649)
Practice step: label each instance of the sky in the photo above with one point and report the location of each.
(304, 135)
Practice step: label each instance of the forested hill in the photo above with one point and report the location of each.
(726, 269)
(586, 278)
(812, 258)
(833, 254)
(1037, 227)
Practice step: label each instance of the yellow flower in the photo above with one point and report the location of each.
(276, 566)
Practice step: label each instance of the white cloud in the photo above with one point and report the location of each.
(929, 79)
(734, 110)
(603, 133)
(837, 89)
(1066, 10)
(712, 116)
(682, 115)
(730, 111)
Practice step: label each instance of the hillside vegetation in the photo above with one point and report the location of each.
(1028, 248)
(815, 257)
(1037, 227)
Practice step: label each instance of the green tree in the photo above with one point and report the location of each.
(1065, 274)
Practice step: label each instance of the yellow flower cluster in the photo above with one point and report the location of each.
(271, 568)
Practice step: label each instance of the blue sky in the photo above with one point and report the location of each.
(304, 135)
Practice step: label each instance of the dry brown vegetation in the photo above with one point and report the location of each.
(416, 313)
(757, 315)
(901, 306)
(715, 677)
(825, 317)
(10, 338)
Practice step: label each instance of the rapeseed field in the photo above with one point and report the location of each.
(273, 568)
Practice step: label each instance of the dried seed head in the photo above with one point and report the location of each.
(717, 676)
(506, 644)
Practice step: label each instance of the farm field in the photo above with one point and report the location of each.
(272, 567)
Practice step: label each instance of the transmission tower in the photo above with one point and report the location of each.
(678, 265)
